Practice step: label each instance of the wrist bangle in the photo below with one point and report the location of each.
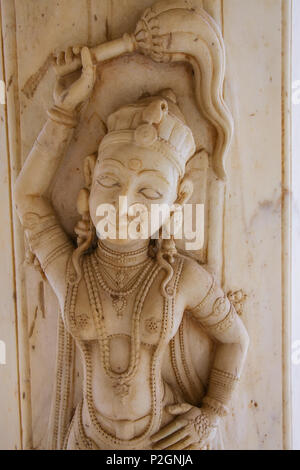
(217, 407)
(221, 385)
(61, 116)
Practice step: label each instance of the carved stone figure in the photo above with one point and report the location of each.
(127, 304)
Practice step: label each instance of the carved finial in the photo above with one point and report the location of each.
(155, 112)
(238, 299)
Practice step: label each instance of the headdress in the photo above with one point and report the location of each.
(155, 123)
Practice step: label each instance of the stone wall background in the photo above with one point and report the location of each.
(255, 222)
(296, 225)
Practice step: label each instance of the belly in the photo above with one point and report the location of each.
(112, 398)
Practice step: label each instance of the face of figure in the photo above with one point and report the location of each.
(139, 174)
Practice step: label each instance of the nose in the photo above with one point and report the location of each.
(126, 192)
(123, 204)
(125, 199)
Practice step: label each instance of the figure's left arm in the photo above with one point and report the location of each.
(220, 320)
(194, 427)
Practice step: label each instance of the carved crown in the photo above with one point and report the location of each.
(156, 123)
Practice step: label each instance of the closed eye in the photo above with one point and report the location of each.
(150, 193)
(108, 182)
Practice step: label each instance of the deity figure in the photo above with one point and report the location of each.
(122, 301)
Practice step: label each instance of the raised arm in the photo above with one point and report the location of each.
(45, 235)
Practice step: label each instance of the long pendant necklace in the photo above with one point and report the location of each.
(121, 382)
(109, 439)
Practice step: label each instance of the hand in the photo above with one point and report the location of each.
(193, 429)
(68, 98)
(68, 61)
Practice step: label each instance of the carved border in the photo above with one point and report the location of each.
(14, 156)
(286, 243)
(9, 333)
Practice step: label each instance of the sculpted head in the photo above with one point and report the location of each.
(143, 157)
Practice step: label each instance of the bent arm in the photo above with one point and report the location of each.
(45, 235)
(220, 320)
(43, 161)
(231, 350)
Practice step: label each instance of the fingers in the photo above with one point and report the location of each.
(64, 57)
(167, 430)
(86, 58)
(69, 56)
(88, 68)
(172, 439)
(76, 50)
(179, 409)
(187, 441)
(67, 61)
(60, 59)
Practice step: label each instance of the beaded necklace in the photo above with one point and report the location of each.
(156, 385)
(121, 257)
(119, 296)
(121, 382)
(121, 292)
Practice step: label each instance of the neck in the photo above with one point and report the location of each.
(133, 253)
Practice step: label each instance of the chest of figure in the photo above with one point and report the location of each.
(145, 316)
(145, 324)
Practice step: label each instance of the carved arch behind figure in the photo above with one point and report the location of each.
(125, 80)
(195, 75)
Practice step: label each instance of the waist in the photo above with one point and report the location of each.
(124, 429)
(128, 429)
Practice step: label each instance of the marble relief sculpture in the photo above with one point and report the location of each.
(126, 305)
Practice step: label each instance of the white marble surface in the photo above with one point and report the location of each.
(253, 214)
(10, 431)
(252, 218)
(296, 226)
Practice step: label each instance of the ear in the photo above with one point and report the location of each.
(185, 191)
(88, 169)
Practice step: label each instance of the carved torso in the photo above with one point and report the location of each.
(124, 352)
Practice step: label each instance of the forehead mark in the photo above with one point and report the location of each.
(120, 164)
(135, 164)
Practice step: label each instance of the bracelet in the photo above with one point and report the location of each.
(61, 116)
(207, 297)
(221, 385)
(224, 324)
(217, 407)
